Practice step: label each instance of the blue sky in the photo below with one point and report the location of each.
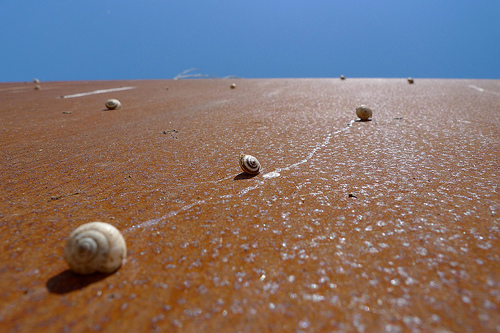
(56, 40)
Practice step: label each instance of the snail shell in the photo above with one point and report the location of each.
(113, 104)
(249, 164)
(342, 77)
(363, 112)
(36, 81)
(233, 85)
(95, 247)
(410, 80)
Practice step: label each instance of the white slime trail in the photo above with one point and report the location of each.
(269, 175)
(153, 222)
(483, 90)
(102, 91)
(477, 88)
(276, 173)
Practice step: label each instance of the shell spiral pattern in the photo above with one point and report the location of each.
(364, 112)
(249, 164)
(113, 104)
(95, 247)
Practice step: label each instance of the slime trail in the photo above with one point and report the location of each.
(269, 175)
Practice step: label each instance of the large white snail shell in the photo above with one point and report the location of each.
(363, 112)
(113, 104)
(95, 247)
(249, 164)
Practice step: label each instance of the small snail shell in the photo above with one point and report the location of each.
(38, 87)
(233, 86)
(95, 247)
(410, 80)
(342, 77)
(363, 112)
(36, 81)
(113, 104)
(249, 164)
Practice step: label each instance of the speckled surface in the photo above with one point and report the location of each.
(387, 225)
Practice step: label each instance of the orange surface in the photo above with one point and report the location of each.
(386, 225)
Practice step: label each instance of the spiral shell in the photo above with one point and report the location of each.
(410, 80)
(113, 104)
(233, 86)
(363, 112)
(95, 247)
(249, 164)
(342, 77)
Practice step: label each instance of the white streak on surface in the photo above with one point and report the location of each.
(272, 174)
(269, 175)
(248, 189)
(153, 222)
(276, 173)
(477, 88)
(102, 91)
(483, 90)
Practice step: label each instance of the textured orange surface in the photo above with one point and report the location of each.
(386, 225)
